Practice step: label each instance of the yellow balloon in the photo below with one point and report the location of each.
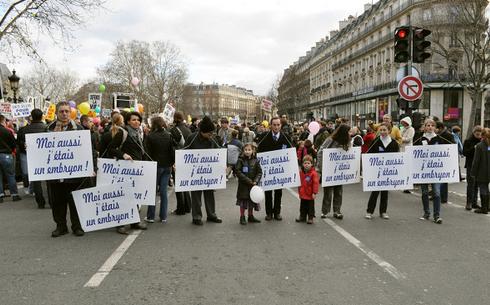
(84, 108)
(265, 124)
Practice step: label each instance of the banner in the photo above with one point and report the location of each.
(267, 105)
(434, 163)
(95, 99)
(279, 169)
(106, 113)
(200, 169)
(105, 207)
(49, 110)
(35, 101)
(5, 110)
(21, 110)
(140, 176)
(386, 172)
(341, 167)
(59, 155)
(168, 113)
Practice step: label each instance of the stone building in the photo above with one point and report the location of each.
(351, 73)
(218, 101)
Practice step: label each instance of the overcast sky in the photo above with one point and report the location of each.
(246, 43)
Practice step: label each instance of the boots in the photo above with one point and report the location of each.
(484, 205)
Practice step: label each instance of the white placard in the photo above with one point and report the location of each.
(200, 169)
(21, 110)
(59, 155)
(140, 176)
(5, 110)
(386, 172)
(95, 99)
(434, 163)
(105, 207)
(168, 113)
(341, 167)
(279, 169)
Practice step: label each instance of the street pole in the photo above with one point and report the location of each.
(482, 111)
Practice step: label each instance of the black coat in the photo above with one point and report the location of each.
(378, 147)
(130, 147)
(160, 147)
(7, 142)
(469, 150)
(34, 127)
(481, 163)
(246, 178)
(186, 132)
(196, 141)
(267, 143)
(104, 142)
(437, 140)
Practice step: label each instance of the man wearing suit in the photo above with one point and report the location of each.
(274, 140)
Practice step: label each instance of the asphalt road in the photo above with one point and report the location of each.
(353, 261)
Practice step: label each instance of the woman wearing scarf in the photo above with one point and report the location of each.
(129, 148)
(382, 144)
(431, 138)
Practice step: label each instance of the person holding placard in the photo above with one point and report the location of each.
(340, 139)
(480, 170)
(431, 138)
(382, 144)
(249, 173)
(275, 139)
(61, 189)
(203, 139)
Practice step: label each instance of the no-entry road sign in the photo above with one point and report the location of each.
(410, 88)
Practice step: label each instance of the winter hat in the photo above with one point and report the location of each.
(206, 125)
(407, 120)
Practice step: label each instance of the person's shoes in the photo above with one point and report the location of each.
(323, 216)
(300, 219)
(425, 217)
(242, 220)
(164, 221)
(278, 217)
(310, 221)
(149, 220)
(78, 232)
(338, 215)
(368, 216)
(214, 219)
(123, 230)
(252, 219)
(468, 207)
(16, 198)
(481, 211)
(268, 217)
(139, 226)
(475, 206)
(59, 231)
(384, 216)
(407, 192)
(443, 202)
(438, 220)
(197, 222)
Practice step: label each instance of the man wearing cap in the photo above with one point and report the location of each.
(203, 139)
(275, 139)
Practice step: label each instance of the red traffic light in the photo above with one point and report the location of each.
(402, 33)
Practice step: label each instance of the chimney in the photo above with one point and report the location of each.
(333, 33)
(367, 6)
(343, 24)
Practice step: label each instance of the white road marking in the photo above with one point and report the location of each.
(109, 264)
(359, 245)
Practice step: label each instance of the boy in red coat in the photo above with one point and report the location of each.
(308, 190)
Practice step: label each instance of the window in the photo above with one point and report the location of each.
(453, 107)
(427, 15)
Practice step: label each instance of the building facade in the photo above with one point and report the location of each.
(352, 72)
(218, 101)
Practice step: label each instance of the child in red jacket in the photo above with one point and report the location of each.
(308, 190)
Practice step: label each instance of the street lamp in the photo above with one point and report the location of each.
(14, 84)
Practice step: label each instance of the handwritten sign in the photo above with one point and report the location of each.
(386, 172)
(49, 110)
(95, 99)
(106, 113)
(200, 169)
(105, 207)
(59, 155)
(341, 167)
(279, 169)
(168, 113)
(434, 163)
(5, 110)
(141, 176)
(21, 110)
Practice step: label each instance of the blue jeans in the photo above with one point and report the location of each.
(163, 176)
(436, 195)
(7, 168)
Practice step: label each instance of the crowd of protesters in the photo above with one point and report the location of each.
(125, 136)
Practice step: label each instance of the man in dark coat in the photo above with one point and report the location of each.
(36, 126)
(449, 139)
(203, 139)
(7, 160)
(469, 152)
(275, 139)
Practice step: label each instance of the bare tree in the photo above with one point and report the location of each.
(159, 66)
(21, 21)
(467, 55)
(50, 83)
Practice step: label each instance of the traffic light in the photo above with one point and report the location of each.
(420, 45)
(402, 44)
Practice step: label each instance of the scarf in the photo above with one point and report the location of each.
(136, 135)
(60, 126)
(429, 136)
(386, 140)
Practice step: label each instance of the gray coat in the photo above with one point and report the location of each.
(480, 168)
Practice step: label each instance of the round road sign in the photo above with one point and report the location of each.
(410, 88)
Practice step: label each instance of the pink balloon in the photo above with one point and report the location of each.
(96, 121)
(314, 128)
(135, 81)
